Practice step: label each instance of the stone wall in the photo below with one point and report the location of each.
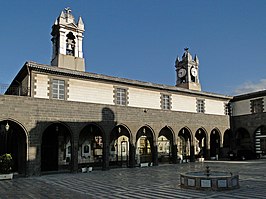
(35, 115)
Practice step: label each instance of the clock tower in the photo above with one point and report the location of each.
(67, 42)
(187, 71)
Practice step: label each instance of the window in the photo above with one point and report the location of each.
(58, 89)
(121, 96)
(226, 108)
(200, 106)
(165, 102)
(256, 105)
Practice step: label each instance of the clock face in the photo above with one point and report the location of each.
(182, 72)
(194, 72)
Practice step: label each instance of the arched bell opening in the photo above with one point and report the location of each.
(70, 44)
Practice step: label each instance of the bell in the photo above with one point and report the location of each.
(69, 47)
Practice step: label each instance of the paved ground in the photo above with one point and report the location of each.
(151, 182)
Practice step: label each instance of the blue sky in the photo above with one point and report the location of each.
(140, 39)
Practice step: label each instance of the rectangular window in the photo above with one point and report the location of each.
(256, 106)
(121, 96)
(200, 106)
(227, 108)
(165, 102)
(58, 89)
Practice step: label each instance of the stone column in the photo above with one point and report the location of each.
(155, 155)
(192, 153)
(132, 152)
(174, 154)
(105, 165)
(74, 158)
(208, 152)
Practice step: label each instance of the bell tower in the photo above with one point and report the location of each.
(67, 36)
(187, 71)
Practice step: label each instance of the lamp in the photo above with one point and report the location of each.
(7, 126)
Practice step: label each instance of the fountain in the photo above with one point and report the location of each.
(207, 180)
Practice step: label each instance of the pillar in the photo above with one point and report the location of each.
(192, 153)
(174, 153)
(74, 157)
(132, 151)
(155, 155)
(105, 165)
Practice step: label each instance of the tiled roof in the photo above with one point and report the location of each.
(87, 75)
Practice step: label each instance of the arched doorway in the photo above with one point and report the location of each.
(165, 146)
(260, 141)
(184, 145)
(243, 141)
(13, 141)
(215, 140)
(201, 144)
(56, 148)
(90, 151)
(144, 145)
(244, 147)
(119, 147)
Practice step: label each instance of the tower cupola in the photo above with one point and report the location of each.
(67, 37)
(187, 71)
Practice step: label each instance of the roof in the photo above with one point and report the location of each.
(256, 94)
(99, 77)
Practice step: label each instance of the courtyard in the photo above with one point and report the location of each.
(150, 182)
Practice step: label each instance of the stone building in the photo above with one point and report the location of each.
(60, 118)
(249, 123)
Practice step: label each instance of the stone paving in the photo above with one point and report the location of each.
(151, 182)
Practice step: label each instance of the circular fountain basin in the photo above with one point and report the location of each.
(214, 180)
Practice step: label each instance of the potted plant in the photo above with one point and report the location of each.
(6, 167)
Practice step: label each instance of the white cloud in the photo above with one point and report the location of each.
(249, 87)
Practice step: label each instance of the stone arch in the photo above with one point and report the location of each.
(145, 149)
(227, 139)
(128, 130)
(166, 145)
(201, 143)
(120, 146)
(185, 140)
(56, 147)
(91, 146)
(243, 139)
(14, 140)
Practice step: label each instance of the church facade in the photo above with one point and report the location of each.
(59, 117)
